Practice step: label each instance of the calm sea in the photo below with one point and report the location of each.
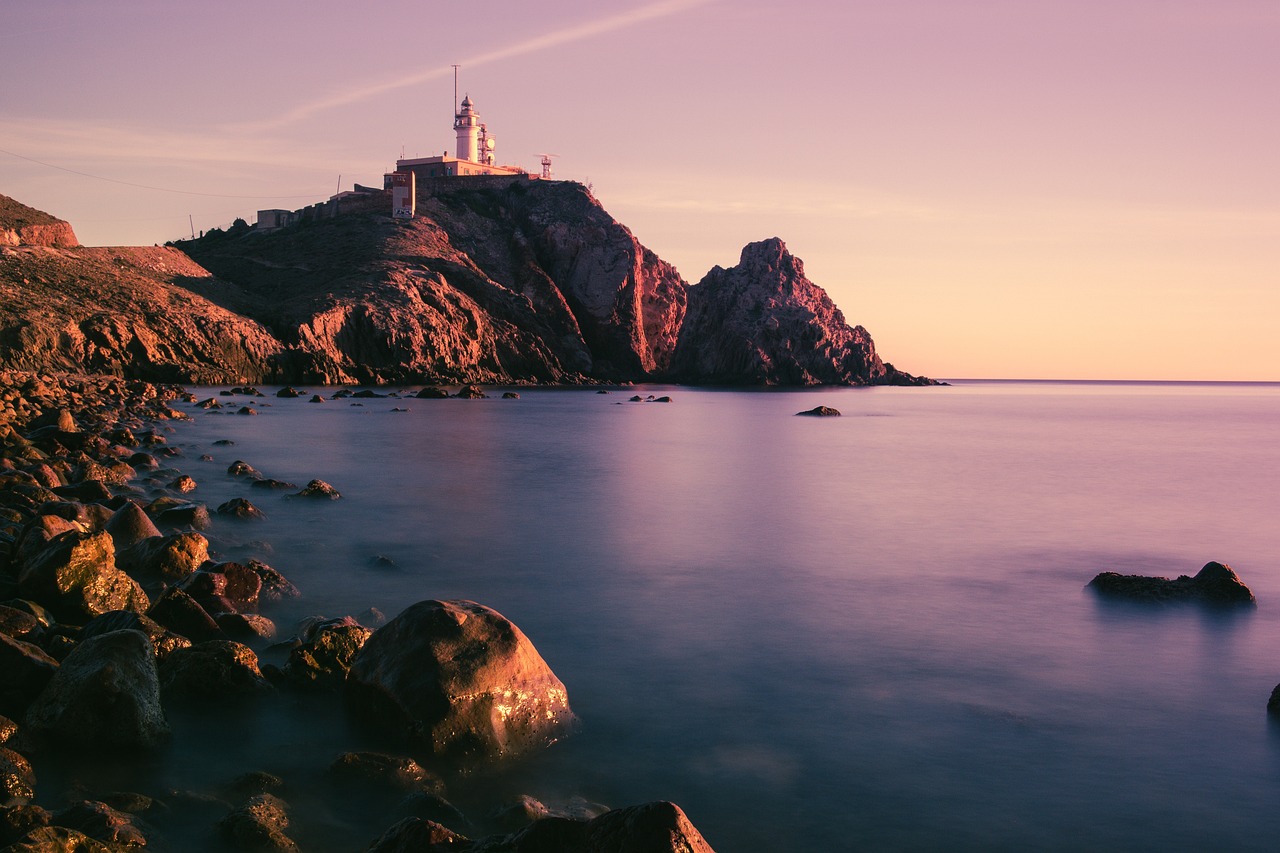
(868, 632)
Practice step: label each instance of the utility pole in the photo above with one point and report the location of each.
(192, 223)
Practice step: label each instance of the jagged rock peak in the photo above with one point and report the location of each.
(21, 225)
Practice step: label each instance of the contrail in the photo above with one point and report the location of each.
(649, 12)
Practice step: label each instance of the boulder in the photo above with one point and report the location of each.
(1216, 584)
(288, 392)
(25, 670)
(17, 779)
(190, 514)
(240, 468)
(106, 695)
(183, 484)
(76, 575)
(324, 655)
(275, 586)
(384, 773)
(457, 679)
(19, 624)
(259, 824)
(820, 412)
(162, 639)
(318, 489)
(18, 820)
(212, 671)
(246, 627)
(168, 558)
(98, 820)
(432, 393)
(470, 392)
(414, 834)
(182, 614)
(240, 508)
(129, 525)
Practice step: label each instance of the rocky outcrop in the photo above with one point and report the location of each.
(531, 282)
(1215, 584)
(25, 226)
(457, 679)
(764, 323)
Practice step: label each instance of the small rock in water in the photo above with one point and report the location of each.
(316, 398)
(430, 393)
(246, 410)
(241, 508)
(470, 392)
(380, 561)
(510, 395)
(1215, 584)
(288, 392)
(223, 442)
(820, 412)
(185, 483)
(318, 489)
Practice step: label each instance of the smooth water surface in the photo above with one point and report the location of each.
(866, 632)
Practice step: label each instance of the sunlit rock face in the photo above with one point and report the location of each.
(457, 679)
(763, 322)
(21, 225)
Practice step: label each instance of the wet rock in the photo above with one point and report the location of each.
(819, 412)
(224, 442)
(129, 525)
(100, 821)
(211, 403)
(414, 834)
(318, 489)
(366, 394)
(470, 392)
(194, 515)
(106, 695)
(19, 624)
(162, 639)
(240, 468)
(169, 558)
(76, 575)
(433, 807)
(316, 398)
(246, 627)
(275, 586)
(325, 653)
(430, 393)
(17, 779)
(184, 484)
(1215, 584)
(381, 561)
(246, 410)
(182, 614)
(1273, 704)
(90, 491)
(386, 773)
(241, 509)
(288, 392)
(259, 824)
(8, 728)
(143, 462)
(16, 821)
(256, 782)
(510, 395)
(268, 483)
(456, 678)
(212, 671)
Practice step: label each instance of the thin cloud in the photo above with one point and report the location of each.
(649, 12)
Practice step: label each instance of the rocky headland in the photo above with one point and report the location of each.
(127, 636)
(533, 282)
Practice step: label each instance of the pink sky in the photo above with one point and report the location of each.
(1062, 189)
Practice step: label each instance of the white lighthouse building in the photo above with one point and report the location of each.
(474, 154)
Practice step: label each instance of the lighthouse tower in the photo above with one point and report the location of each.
(467, 124)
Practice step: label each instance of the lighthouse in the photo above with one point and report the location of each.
(474, 154)
(467, 125)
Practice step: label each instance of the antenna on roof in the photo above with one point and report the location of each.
(455, 90)
(546, 165)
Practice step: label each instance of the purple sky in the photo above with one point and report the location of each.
(1063, 189)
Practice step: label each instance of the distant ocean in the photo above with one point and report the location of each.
(868, 632)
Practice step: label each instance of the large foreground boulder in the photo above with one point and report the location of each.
(106, 695)
(457, 679)
(1215, 584)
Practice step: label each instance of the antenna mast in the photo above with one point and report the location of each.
(455, 90)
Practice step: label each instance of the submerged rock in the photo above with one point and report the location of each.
(259, 824)
(318, 489)
(1215, 584)
(820, 412)
(458, 679)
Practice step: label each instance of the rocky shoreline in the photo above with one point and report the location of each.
(119, 619)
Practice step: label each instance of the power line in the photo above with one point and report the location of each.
(145, 186)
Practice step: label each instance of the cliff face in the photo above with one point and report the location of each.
(764, 323)
(534, 282)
